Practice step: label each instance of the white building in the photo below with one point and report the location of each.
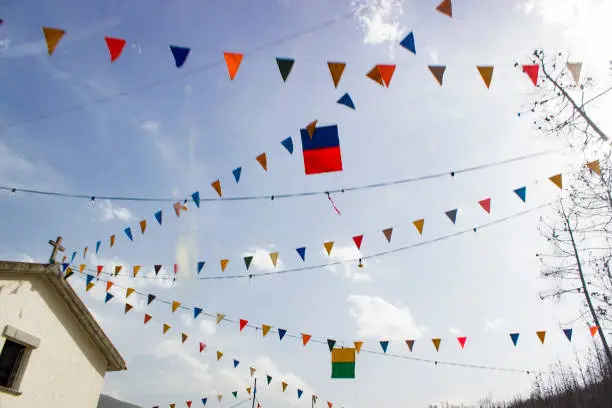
(53, 354)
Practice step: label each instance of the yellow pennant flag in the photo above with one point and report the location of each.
(252, 369)
(112, 240)
(224, 263)
(248, 390)
(219, 355)
(358, 345)
(265, 329)
(52, 37)
(128, 292)
(117, 269)
(541, 335)
(336, 69)
(436, 343)
(311, 127)
(274, 258)
(262, 159)
(419, 225)
(89, 286)
(486, 72)
(557, 179)
(284, 385)
(82, 268)
(220, 317)
(166, 328)
(136, 270)
(175, 305)
(143, 226)
(217, 186)
(328, 246)
(594, 167)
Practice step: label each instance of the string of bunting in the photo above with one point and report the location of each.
(302, 337)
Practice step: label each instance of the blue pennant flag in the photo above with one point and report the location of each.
(281, 333)
(452, 215)
(236, 362)
(302, 252)
(514, 337)
(64, 266)
(196, 312)
(158, 217)
(128, 232)
(180, 54)
(201, 265)
(408, 43)
(196, 198)
(568, 334)
(346, 101)
(521, 192)
(73, 255)
(204, 401)
(88, 279)
(108, 297)
(236, 172)
(98, 246)
(288, 144)
(384, 345)
(300, 393)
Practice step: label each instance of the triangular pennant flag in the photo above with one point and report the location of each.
(521, 192)
(386, 73)
(252, 370)
(136, 269)
(419, 225)
(217, 186)
(85, 252)
(346, 101)
(274, 258)
(461, 341)
(452, 215)
(302, 253)
(157, 268)
(262, 159)
(486, 205)
(328, 246)
(388, 232)
(357, 239)
(177, 208)
(384, 344)
(204, 400)
(52, 37)
(196, 198)
(73, 255)
(436, 343)
(128, 292)
(115, 47)
(410, 344)
(117, 269)
(486, 72)
(514, 337)
(147, 317)
(247, 261)
(112, 240)
(150, 298)
(593, 330)
(438, 72)
(68, 273)
(446, 7)
(236, 362)
(284, 386)
(175, 305)
(180, 54)
(128, 307)
(299, 392)
(188, 404)
(284, 66)
(82, 268)
(201, 265)
(219, 355)
(143, 226)
(557, 179)
(288, 144)
(173, 405)
(358, 345)
(233, 61)
(64, 266)
(224, 263)
(331, 343)
(109, 285)
(329, 404)
(594, 167)
(305, 338)
(574, 69)
(243, 323)
(184, 337)
(568, 333)
(311, 128)
(196, 312)
(336, 69)
(108, 297)
(269, 379)
(248, 390)
(375, 75)
(265, 329)
(128, 232)
(408, 43)
(281, 333)
(541, 335)
(202, 347)
(532, 72)
(236, 172)
(220, 317)
(219, 396)
(158, 217)
(98, 246)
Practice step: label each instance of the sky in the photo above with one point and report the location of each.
(140, 127)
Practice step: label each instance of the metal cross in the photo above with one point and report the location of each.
(57, 246)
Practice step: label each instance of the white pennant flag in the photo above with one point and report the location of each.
(575, 68)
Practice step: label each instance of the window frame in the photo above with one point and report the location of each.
(29, 343)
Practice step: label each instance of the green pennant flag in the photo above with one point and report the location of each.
(284, 66)
(235, 394)
(247, 261)
(269, 379)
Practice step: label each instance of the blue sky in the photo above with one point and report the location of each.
(196, 126)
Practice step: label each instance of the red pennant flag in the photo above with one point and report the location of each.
(100, 267)
(462, 341)
(109, 285)
(357, 239)
(115, 47)
(329, 404)
(486, 205)
(147, 317)
(202, 347)
(532, 72)
(243, 323)
(188, 403)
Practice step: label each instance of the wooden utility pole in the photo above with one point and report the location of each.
(57, 246)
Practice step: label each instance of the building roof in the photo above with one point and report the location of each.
(54, 277)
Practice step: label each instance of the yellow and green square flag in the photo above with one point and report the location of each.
(343, 363)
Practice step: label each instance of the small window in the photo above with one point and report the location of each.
(11, 359)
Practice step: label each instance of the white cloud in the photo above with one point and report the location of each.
(351, 270)
(173, 349)
(379, 20)
(17, 170)
(110, 212)
(375, 317)
(261, 260)
(151, 126)
(494, 324)
(433, 54)
(456, 332)
(264, 365)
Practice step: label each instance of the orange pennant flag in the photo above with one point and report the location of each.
(147, 317)
(143, 226)
(224, 263)
(311, 127)
(219, 355)
(82, 268)
(594, 167)
(117, 269)
(220, 317)
(177, 208)
(128, 307)
(109, 285)
(128, 292)
(541, 336)
(419, 225)
(328, 246)
(233, 61)
(261, 159)
(305, 338)
(274, 258)
(438, 72)
(252, 370)
(446, 7)
(376, 76)
(358, 345)
(112, 240)
(166, 328)
(136, 270)
(248, 390)
(386, 73)
(217, 186)
(265, 329)
(593, 330)
(184, 337)
(52, 37)
(175, 305)
(557, 179)
(336, 69)
(89, 286)
(486, 72)
(436, 343)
